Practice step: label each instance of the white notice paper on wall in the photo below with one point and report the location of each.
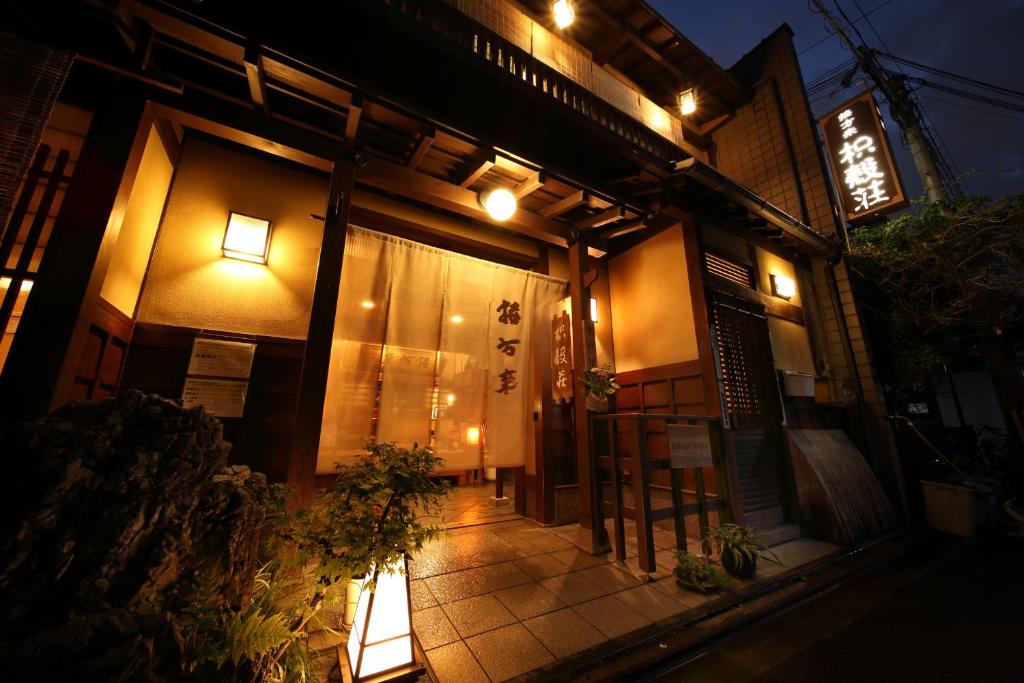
(218, 358)
(219, 397)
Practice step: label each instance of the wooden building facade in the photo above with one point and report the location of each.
(709, 241)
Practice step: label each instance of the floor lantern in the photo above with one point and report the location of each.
(380, 644)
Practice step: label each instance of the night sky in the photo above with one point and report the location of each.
(981, 39)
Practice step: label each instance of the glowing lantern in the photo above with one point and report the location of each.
(473, 436)
(381, 638)
(688, 102)
(247, 238)
(564, 14)
(456, 319)
(499, 203)
(782, 286)
(368, 305)
(593, 311)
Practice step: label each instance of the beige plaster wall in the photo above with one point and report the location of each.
(651, 311)
(138, 229)
(790, 346)
(191, 284)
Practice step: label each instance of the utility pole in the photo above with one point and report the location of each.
(902, 106)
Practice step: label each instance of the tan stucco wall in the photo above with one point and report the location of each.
(790, 346)
(138, 229)
(191, 284)
(652, 315)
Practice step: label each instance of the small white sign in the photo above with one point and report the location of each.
(219, 358)
(689, 446)
(219, 397)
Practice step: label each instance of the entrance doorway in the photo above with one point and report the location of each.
(751, 399)
(437, 349)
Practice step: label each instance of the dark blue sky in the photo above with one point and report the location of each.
(981, 39)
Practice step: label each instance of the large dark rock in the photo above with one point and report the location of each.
(113, 511)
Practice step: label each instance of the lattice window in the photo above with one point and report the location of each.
(737, 273)
(735, 334)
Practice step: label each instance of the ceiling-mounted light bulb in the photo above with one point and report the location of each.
(499, 203)
(564, 14)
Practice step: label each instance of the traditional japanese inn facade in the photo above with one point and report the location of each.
(423, 221)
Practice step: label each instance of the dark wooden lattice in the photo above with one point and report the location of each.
(737, 335)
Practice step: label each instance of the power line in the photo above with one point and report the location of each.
(987, 112)
(952, 76)
(931, 131)
(830, 34)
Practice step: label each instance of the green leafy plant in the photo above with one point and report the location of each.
(600, 381)
(698, 574)
(367, 518)
(943, 280)
(738, 547)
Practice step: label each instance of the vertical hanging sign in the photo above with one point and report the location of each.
(561, 358)
(860, 158)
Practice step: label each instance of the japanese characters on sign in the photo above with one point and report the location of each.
(561, 358)
(508, 314)
(689, 446)
(861, 160)
(217, 376)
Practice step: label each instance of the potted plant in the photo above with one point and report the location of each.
(696, 573)
(738, 549)
(600, 383)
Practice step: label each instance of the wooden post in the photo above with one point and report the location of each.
(591, 512)
(642, 498)
(316, 360)
(53, 329)
(619, 525)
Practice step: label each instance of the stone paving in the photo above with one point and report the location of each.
(495, 600)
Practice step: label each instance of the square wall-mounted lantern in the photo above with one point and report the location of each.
(247, 238)
(688, 101)
(783, 287)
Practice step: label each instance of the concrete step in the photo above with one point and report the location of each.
(778, 535)
(764, 519)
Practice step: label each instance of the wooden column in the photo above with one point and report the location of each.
(583, 353)
(317, 356)
(53, 330)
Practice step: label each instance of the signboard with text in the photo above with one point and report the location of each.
(689, 446)
(220, 358)
(561, 358)
(218, 397)
(861, 161)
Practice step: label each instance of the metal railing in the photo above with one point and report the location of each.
(639, 466)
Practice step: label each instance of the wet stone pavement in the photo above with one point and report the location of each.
(496, 600)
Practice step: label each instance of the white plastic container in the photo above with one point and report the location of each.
(950, 507)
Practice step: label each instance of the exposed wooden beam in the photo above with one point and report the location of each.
(355, 112)
(534, 182)
(603, 218)
(254, 74)
(568, 204)
(622, 229)
(440, 193)
(476, 168)
(422, 147)
(712, 125)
